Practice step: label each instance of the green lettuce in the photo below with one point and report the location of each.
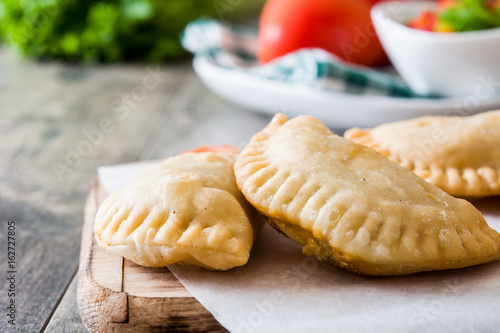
(105, 30)
(470, 15)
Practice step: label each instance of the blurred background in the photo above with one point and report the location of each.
(109, 30)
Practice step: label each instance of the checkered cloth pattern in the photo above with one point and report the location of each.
(234, 47)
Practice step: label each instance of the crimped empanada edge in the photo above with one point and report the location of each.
(339, 258)
(461, 182)
(131, 249)
(154, 255)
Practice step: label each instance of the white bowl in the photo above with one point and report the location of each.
(446, 64)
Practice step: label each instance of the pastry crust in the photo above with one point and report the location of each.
(460, 155)
(346, 203)
(185, 210)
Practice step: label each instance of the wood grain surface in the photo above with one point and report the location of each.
(47, 110)
(116, 295)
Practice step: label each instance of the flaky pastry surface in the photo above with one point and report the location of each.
(349, 204)
(460, 155)
(185, 210)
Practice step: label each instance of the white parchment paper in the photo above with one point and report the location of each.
(281, 290)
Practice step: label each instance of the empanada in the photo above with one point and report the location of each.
(186, 209)
(347, 203)
(460, 155)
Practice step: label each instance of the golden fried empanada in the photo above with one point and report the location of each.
(460, 155)
(347, 203)
(186, 209)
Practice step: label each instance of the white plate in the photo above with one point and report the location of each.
(339, 110)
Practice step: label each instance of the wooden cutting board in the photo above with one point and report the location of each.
(116, 295)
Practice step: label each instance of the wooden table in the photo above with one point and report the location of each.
(58, 122)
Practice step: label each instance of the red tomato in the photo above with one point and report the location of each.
(425, 21)
(342, 27)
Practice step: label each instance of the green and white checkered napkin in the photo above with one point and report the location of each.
(234, 47)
